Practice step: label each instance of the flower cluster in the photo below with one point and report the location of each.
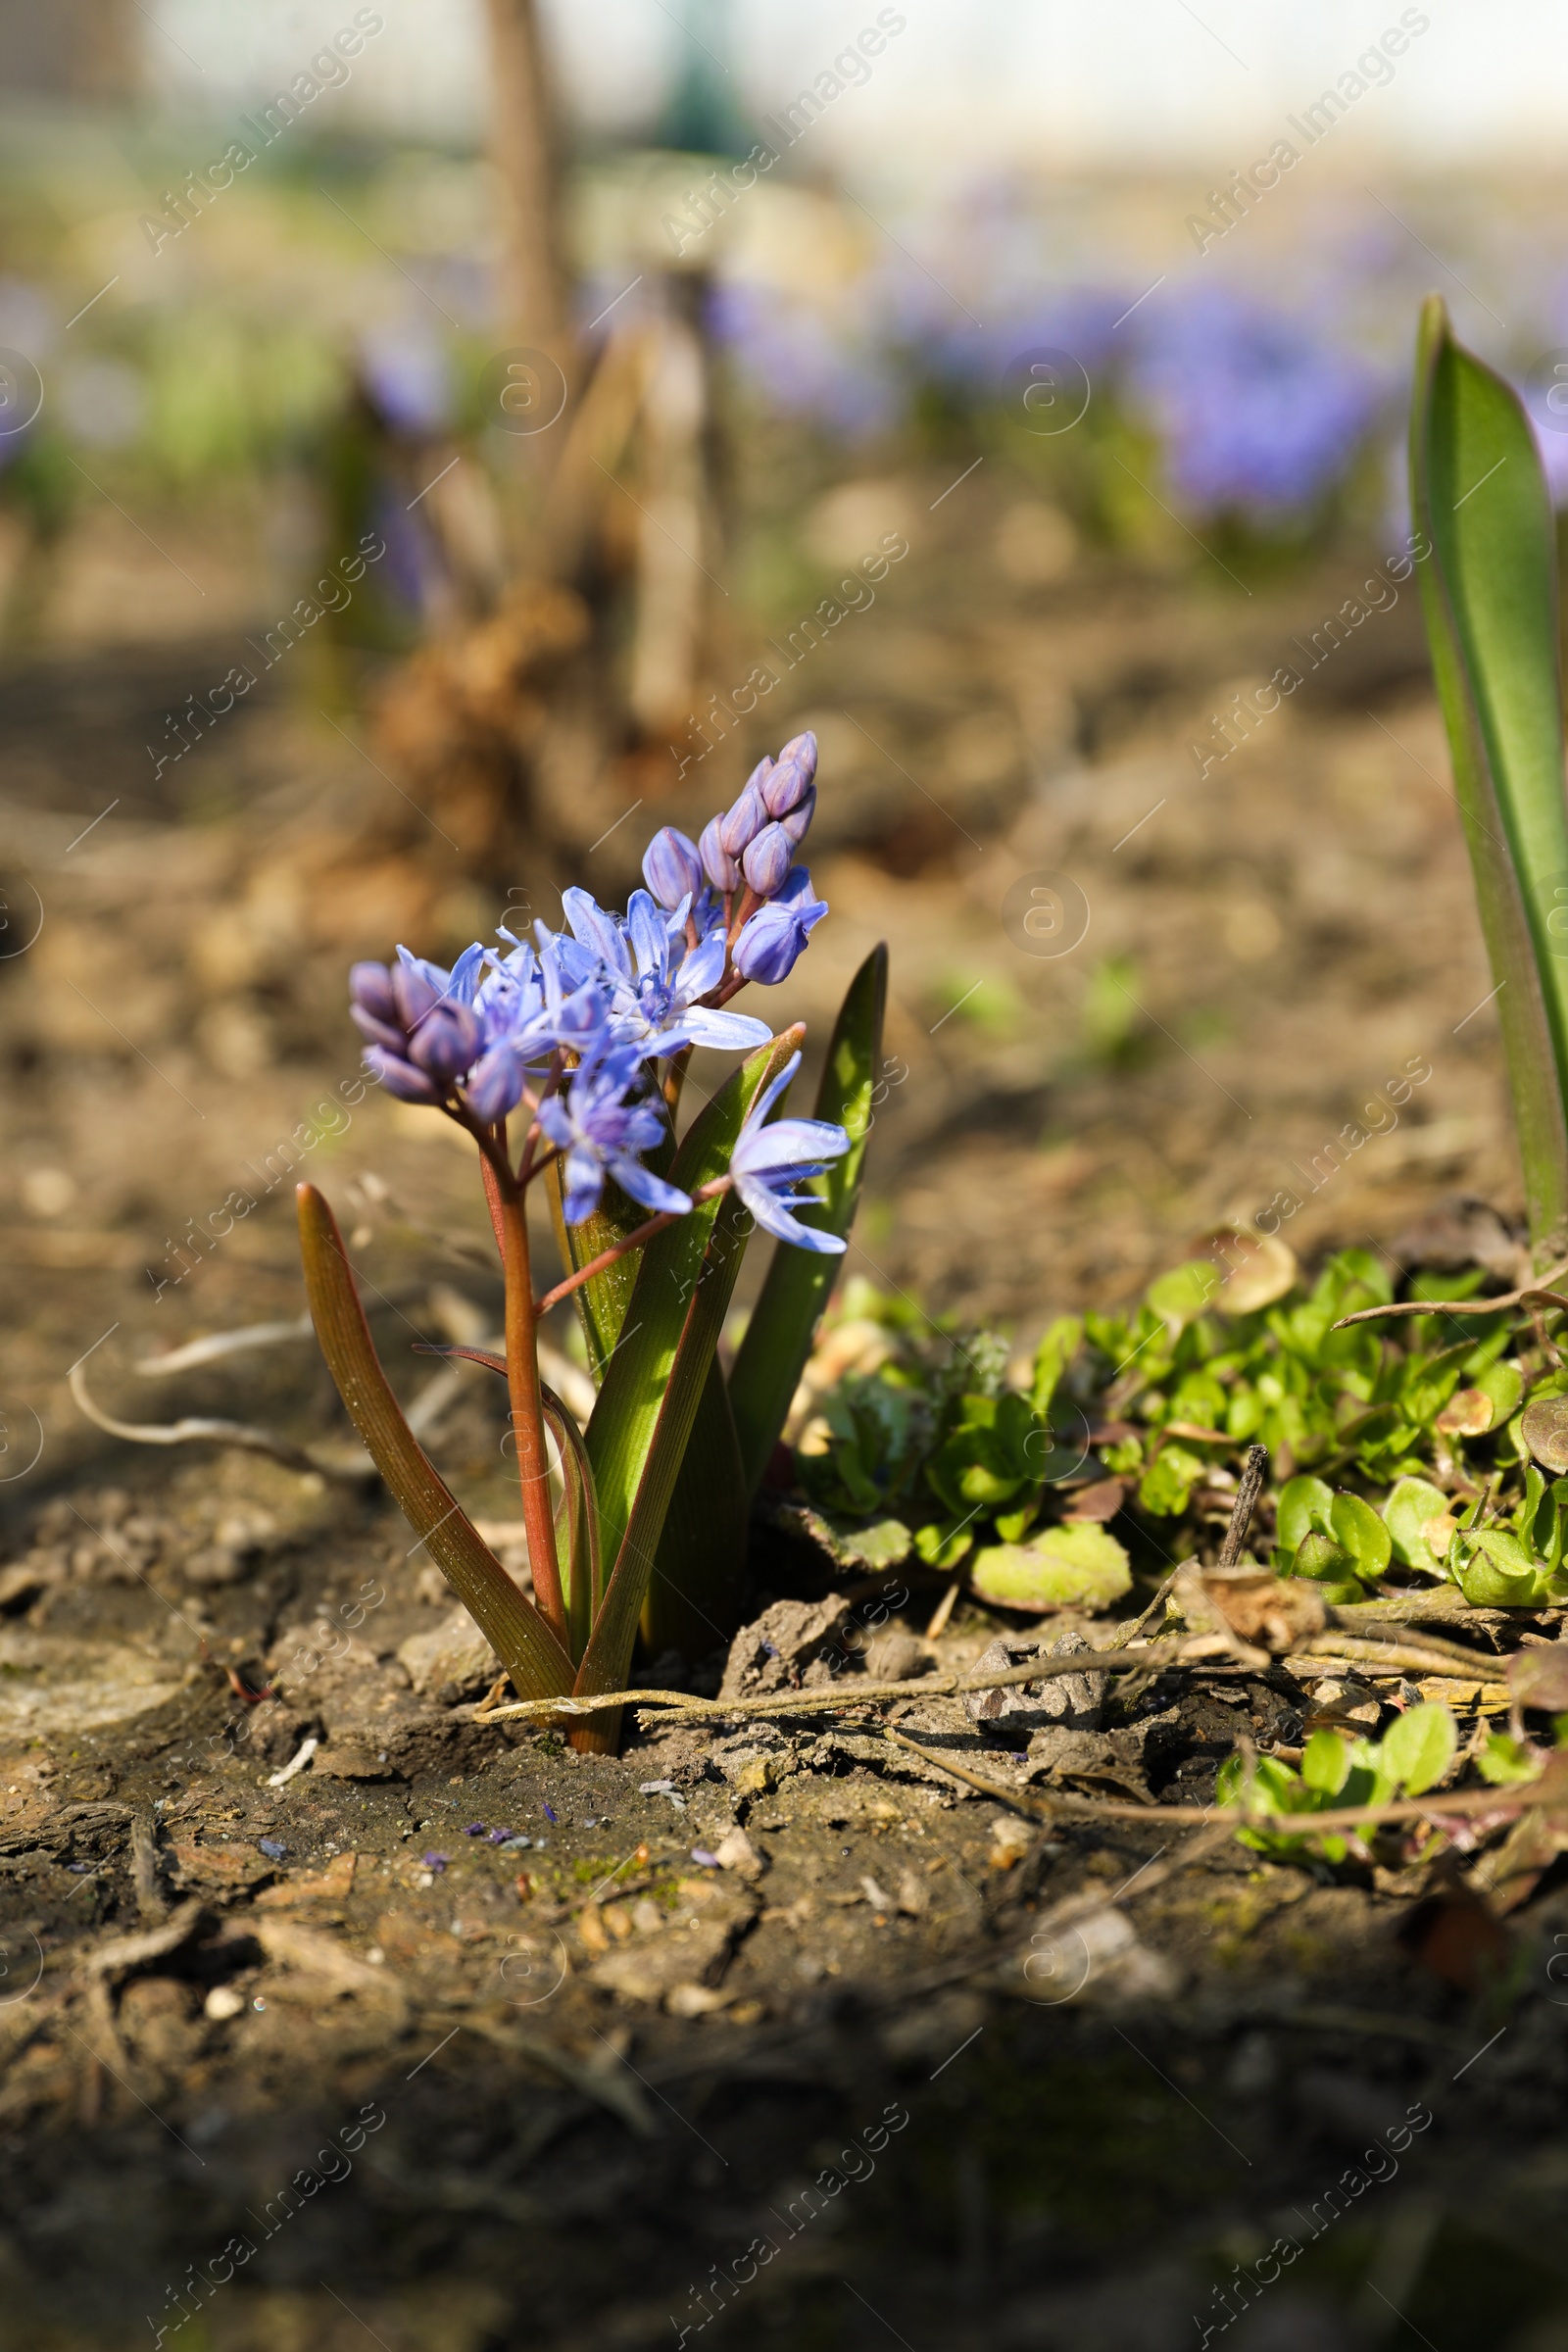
(573, 1023)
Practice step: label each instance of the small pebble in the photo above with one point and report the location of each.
(273, 1847)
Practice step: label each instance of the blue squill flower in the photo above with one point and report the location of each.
(771, 941)
(655, 980)
(595, 928)
(599, 1132)
(768, 1159)
(672, 867)
(661, 1009)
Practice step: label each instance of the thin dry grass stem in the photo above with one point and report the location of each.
(1500, 1803)
(1382, 1658)
(1540, 1290)
(1251, 1486)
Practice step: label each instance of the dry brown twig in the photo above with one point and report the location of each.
(1528, 1293)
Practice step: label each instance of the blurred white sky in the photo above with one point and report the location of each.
(1059, 84)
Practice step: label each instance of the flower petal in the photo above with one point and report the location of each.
(726, 1032)
(701, 969)
(595, 929)
(773, 1218)
(583, 1181)
(645, 929)
(644, 1187)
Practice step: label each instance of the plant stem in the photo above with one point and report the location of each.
(522, 1384)
(620, 1250)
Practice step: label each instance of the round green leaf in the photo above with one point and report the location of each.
(1180, 1297)
(1356, 1525)
(1504, 1384)
(1500, 1573)
(1326, 1762)
(1304, 1503)
(1070, 1566)
(1410, 1509)
(1417, 1749)
(1166, 1487)
(1319, 1555)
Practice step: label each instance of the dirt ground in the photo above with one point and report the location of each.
(880, 2071)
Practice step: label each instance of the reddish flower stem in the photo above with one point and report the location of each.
(634, 1240)
(508, 1216)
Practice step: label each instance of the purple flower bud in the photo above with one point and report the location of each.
(790, 779)
(672, 866)
(799, 819)
(767, 860)
(445, 1042)
(801, 750)
(379, 1032)
(718, 864)
(400, 1077)
(740, 825)
(411, 996)
(494, 1085)
(770, 943)
(370, 987)
(784, 787)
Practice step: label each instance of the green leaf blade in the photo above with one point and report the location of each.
(1417, 1750)
(1490, 601)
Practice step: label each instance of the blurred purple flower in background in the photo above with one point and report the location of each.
(802, 363)
(1257, 412)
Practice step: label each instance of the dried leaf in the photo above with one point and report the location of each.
(1277, 1611)
(1257, 1270)
(1467, 1414)
(1539, 1678)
